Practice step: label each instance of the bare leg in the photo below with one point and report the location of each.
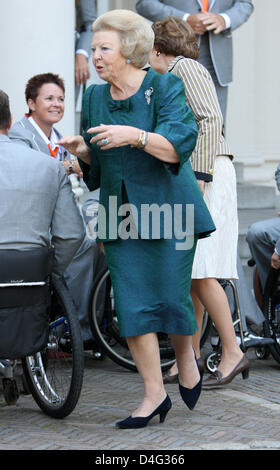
(188, 372)
(199, 310)
(145, 352)
(212, 295)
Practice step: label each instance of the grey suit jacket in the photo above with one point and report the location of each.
(24, 133)
(220, 44)
(86, 15)
(37, 204)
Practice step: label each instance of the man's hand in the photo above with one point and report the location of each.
(101, 247)
(275, 261)
(214, 22)
(196, 22)
(76, 146)
(82, 72)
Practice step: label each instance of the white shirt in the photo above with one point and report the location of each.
(52, 141)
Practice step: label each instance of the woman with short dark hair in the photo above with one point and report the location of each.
(44, 94)
(34, 84)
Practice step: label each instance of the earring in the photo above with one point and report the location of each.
(128, 61)
(158, 53)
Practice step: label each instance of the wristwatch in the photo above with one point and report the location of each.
(71, 164)
(70, 167)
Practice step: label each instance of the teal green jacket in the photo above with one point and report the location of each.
(127, 174)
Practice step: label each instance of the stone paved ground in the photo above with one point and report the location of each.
(243, 416)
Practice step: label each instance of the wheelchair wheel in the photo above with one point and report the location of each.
(212, 361)
(262, 352)
(205, 328)
(104, 326)
(271, 311)
(55, 375)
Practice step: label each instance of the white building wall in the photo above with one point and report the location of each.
(254, 96)
(37, 36)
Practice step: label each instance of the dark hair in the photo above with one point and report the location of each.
(5, 113)
(174, 36)
(34, 84)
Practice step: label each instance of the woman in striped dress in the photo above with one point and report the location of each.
(176, 50)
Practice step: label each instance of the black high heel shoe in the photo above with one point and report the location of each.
(191, 395)
(142, 421)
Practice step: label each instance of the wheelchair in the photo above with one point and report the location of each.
(104, 326)
(269, 303)
(40, 332)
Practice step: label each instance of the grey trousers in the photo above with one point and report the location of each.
(85, 267)
(80, 276)
(262, 237)
(249, 309)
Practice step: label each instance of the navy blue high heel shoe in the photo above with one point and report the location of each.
(142, 421)
(191, 395)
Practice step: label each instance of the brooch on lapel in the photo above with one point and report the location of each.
(148, 93)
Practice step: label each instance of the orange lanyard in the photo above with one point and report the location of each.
(53, 152)
(205, 5)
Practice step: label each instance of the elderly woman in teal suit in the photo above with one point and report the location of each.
(138, 136)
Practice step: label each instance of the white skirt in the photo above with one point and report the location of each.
(216, 255)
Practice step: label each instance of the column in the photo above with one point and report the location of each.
(102, 6)
(37, 37)
(253, 121)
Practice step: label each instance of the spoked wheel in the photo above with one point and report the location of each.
(104, 326)
(262, 352)
(54, 376)
(271, 311)
(212, 361)
(205, 328)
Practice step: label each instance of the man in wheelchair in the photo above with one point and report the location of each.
(263, 238)
(37, 212)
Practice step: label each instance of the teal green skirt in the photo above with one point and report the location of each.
(151, 283)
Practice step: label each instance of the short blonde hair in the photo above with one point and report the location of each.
(136, 34)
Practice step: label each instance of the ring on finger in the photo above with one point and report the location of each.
(105, 141)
